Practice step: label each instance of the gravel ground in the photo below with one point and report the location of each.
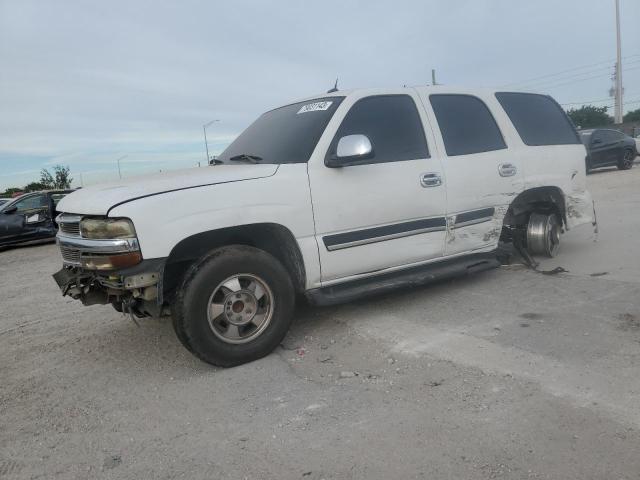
(507, 374)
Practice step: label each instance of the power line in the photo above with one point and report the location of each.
(608, 99)
(611, 105)
(545, 83)
(563, 83)
(529, 80)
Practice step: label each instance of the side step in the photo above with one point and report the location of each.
(410, 277)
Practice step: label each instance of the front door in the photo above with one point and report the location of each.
(386, 211)
(25, 219)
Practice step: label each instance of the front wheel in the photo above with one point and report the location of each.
(234, 306)
(627, 160)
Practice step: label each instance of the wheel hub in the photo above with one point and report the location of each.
(240, 307)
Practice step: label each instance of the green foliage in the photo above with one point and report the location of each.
(632, 116)
(34, 187)
(590, 116)
(46, 179)
(10, 191)
(62, 178)
(59, 180)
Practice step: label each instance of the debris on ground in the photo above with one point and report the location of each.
(112, 461)
(598, 274)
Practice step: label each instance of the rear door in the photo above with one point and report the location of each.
(481, 174)
(612, 146)
(388, 211)
(598, 149)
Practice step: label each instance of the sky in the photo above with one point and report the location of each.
(85, 83)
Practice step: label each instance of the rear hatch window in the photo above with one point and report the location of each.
(538, 119)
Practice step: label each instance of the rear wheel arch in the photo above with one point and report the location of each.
(273, 238)
(539, 199)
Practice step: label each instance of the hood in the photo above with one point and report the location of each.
(97, 200)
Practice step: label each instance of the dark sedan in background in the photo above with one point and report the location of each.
(30, 217)
(608, 148)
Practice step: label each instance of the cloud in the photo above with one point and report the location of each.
(89, 81)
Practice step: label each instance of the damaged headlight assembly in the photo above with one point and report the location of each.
(114, 234)
(98, 243)
(107, 228)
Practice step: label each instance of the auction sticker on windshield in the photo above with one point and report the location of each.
(314, 107)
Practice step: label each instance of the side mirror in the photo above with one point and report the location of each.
(351, 150)
(10, 210)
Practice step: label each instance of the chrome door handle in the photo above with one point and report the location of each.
(430, 180)
(507, 169)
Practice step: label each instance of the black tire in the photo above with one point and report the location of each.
(627, 159)
(190, 317)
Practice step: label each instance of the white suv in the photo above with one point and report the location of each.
(331, 198)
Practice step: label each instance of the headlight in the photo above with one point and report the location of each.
(107, 228)
(110, 262)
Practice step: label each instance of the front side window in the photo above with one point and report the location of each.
(538, 119)
(392, 124)
(285, 135)
(31, 203)
(466, 124)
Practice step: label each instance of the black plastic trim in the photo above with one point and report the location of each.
(386, 232)
(413, 276)
(475, 215)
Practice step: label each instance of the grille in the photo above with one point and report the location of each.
(70, 255)
(70, 228)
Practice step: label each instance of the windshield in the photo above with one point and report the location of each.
(284, 135)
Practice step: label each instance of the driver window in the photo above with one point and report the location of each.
(34, 202)
(392, 124)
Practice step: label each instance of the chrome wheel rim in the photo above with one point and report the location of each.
(240, 308)
(543, 234)
(628, 158)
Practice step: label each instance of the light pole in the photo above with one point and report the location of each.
(118, 161)
(618, 98)
(206, 144)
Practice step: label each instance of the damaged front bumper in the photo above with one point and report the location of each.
(136, 289)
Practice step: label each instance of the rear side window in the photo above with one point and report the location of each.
(466, 124)
(538, 119)
(392, 124)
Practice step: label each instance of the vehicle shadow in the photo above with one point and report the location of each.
(26, 245)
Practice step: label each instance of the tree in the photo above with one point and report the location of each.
(46, 179)
(60, 180)
(589, 116)
(632, 116)
(63, 180)
(10, 191)
(35, 187)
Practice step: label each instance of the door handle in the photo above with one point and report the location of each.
(430, 180)
(507, 169)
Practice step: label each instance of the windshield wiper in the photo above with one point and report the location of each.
(246, 158)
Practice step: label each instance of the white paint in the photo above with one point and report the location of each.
(313, 201)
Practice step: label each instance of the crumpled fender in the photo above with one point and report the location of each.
(580, 209)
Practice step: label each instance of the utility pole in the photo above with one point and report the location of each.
(618, 86)
(206, 144)
(118, 161)
(433, 76)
